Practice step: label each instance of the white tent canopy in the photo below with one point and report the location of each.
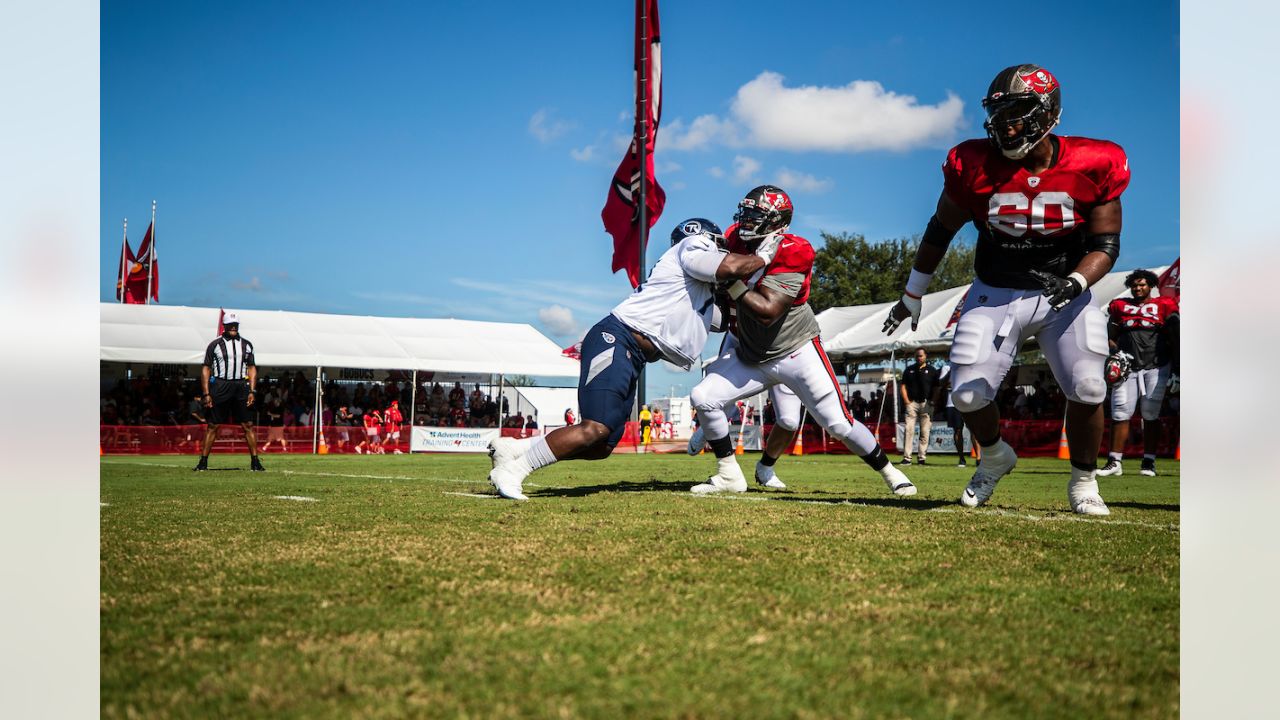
(179, 335)
(856, 332)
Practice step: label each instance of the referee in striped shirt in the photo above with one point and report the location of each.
(229, 379)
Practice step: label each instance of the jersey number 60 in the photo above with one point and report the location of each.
(1012, 212)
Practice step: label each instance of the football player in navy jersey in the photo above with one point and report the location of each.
(1047, 211)
(667, 318)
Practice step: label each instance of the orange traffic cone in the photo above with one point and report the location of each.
(1177, 454)
(1064, 451)
(975, 452)
(739, 450)
(798, 448)
(323, 449)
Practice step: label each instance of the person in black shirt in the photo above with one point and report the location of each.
(229, 363)
(919, 382)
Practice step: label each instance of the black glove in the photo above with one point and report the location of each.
(1060, 291)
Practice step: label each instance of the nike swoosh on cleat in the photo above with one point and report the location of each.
(970, 493)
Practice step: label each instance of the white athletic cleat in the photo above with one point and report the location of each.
(1113, 467)
(768, 478)
(508, 480)
(897, 481)
(504, 450)
(997, 461)
(359, 451)
(728, 479)
(1082, 493)
(697, 441)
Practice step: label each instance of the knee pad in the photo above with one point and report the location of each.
(1151, 409)
(1121, 414)
(1089, 391)
(789, 424)
(700, 399)
(972, 396)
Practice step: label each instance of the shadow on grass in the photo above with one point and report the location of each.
(1145, 506)
(683, 486)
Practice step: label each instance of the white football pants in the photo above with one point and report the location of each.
(805, 371)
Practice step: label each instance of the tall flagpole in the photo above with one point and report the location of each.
(124, 269)
(151, 264)
(642, 150)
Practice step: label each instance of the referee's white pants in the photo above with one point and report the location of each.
(806, 371)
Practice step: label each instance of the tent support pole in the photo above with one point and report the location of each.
(316, 417)
(501, 420)
(413, 401)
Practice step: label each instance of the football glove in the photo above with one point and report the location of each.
(907, 307)
(768, 248)
(1060, 291)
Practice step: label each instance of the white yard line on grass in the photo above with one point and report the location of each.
(312, 473)
(473, 495)
(298, 498)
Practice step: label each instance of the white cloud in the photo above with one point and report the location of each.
(667, 167)
(584, 154)
(558, 319)
(716, 172)
(254, 284)
(744, 168)
(546, 128)
(857, 117)
(791, 180)
(704, 130)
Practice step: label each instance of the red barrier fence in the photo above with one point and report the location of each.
(1031, 438)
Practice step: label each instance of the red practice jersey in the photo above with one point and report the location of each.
(1030, 221)
(392, 418)
(790, 272)
(372, 419)
(1139, 329)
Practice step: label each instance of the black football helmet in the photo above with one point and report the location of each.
(764, 211)
(1026, 99)
(697, 226)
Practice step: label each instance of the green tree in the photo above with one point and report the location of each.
(521, 381)
(848, 270)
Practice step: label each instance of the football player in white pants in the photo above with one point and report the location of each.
(1047, 210)
(787, 410)
(668, 318)
(775, 342)
(1146, 329)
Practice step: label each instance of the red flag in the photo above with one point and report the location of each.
(1170, 281)
(573, 351)
(140, 267)
(221, 314)
(621, 214)
(126, 262)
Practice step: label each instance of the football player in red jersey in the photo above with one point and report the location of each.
(774, 341)
(1146, 328)
(1047, 210)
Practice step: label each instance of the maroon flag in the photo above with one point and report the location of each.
(1170, 281)
(621, 214)
(573, 351)
(221, 314)
(126, 264)
(143, 268)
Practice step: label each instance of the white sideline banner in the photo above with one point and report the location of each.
(942, 439)
(441, 439)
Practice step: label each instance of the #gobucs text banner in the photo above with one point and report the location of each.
(621, 212)
(440, 439)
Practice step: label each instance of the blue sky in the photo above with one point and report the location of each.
(451, 160)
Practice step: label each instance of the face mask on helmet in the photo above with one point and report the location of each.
(1023, 105)
(697, 226)
(764, 211)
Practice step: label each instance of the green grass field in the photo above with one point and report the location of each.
(614, 593)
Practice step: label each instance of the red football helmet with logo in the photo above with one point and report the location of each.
(765, 210)
(1026, 99)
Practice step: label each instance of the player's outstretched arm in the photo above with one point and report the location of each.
(737, 267)
(947, 220)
